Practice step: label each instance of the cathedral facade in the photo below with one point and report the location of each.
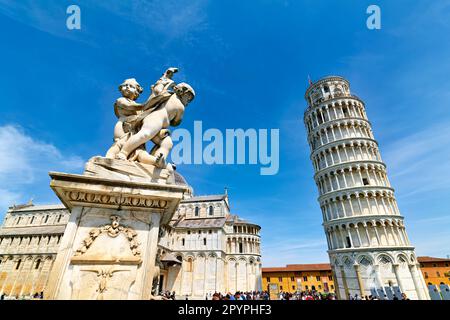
(204, 248)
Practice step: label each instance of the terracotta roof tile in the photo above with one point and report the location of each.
(432, 259)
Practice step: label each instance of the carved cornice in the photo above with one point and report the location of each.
(122, 200)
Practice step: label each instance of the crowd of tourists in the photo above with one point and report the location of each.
(298, 295)
(250, 295)
(306, 295)
(35, 296)
(371, 297)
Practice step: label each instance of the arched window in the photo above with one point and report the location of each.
(197, 210)
(18, 264)
(211, 210)
(38, 263)
(189, 265)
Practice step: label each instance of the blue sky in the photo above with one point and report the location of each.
(248, 62)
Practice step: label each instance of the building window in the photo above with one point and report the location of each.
(434, 265)
(209, 231)
(46, 219)
(438, 273)
(268, 279)
(182, 242)
(306, 287)
(365, 181)
(293, 287)
(38, 262)
(292, 279)
(305, 278)
(330, 278)
(332, 287)
(197, 210)
(32, 220)
(280, 279)
(59, 218)
(317, 278)
(211, 210)
(188, 232)
(281, 287)
(345, 111)
(59, 239)
(426, 275)
(204, 241)
(320, 287)
(313, 288)
(326, 89)
(189, 265)
(240, 248)
(18, 264)
(349, 244)
(18, 220)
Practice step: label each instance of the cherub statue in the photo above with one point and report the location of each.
(128, 110)
(156, 117)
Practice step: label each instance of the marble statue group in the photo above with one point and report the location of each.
(139, 123)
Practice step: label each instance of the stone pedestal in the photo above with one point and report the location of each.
(109, 247)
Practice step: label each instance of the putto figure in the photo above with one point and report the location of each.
(139, 123)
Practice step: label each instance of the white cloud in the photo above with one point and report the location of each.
(25, 163)
(420, 162)
(39, 15)
(173, 18)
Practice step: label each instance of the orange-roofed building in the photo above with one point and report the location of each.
(298, 277)
(436, 271)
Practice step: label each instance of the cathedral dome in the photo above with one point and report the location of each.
(181, 181)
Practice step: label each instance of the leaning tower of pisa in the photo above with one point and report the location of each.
(368, 246)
